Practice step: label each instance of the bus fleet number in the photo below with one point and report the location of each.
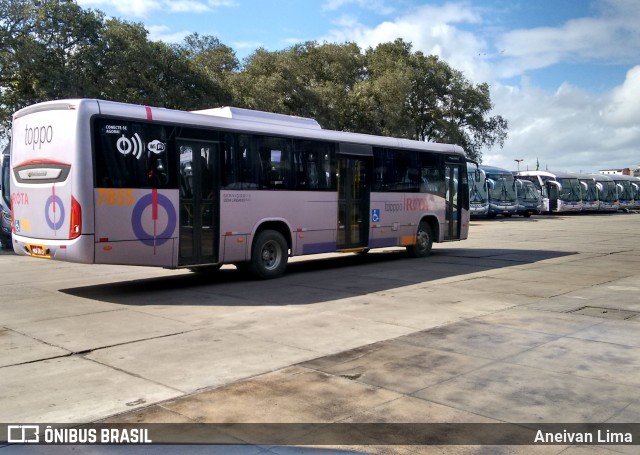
(109, 196)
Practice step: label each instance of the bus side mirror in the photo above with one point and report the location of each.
(477, 175)
(491, 184)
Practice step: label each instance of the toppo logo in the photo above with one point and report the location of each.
(38, 136)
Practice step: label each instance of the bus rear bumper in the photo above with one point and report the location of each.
(77, 250)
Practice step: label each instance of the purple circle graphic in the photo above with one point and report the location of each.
(55, 225)
(136, 220)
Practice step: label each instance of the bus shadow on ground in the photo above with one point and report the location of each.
(310, 281)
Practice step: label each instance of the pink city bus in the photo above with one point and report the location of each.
(101, 182)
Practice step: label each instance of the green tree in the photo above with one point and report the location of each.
(308, 80)
(410, 95)
(43, 48)
(384, 90)
(464, 117)
(273, 82)
(133, 69)
(55, 49)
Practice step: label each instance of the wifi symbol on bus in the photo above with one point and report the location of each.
(133, 145)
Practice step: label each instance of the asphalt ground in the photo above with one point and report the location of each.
(530, 321)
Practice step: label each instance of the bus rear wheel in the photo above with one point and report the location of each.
(424, 242)
(269, 255)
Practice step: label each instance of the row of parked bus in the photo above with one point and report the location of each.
(5, 201)
(496, 191)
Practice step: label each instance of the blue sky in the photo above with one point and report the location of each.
(564, 73)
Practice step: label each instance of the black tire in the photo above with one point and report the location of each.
(269, 255)
(527, 215)
(424, 242)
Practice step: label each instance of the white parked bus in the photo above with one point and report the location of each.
(503, 199)
(589, 192)
(478, 191)
(5, 199)
(607, 193)
(111, 183)
(529, 198)
(628, 187)
(561, 191)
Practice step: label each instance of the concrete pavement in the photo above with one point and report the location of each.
(527, 321)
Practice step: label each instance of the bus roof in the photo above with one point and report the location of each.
(602, 178)
(631, 178)
(494, 169)
(260, 116)
(207, 119)
(553, 174)
(584, 176)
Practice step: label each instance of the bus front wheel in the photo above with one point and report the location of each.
(424, 242)
(269, 255)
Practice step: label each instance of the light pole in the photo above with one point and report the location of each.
(518, 161)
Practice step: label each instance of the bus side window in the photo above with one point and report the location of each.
(315, 165)
(251, 169)
(186, 172)
(157, 173)
(231, 163)
(276, 160)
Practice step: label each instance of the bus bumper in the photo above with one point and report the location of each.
(77, 250)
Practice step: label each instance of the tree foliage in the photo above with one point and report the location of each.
(55, 49)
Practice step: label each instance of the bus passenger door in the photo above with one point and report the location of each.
(554, 194)
(353, 203)
(453, 213)
(199, 211)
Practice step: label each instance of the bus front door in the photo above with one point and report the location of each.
(453, 215)
(199, 212)
(554, 195)
(353, 203)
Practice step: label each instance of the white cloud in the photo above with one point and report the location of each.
(432, 30)
(624, 108)
(142, 8)
(137, 8)
(611, 36)
(564, 130)
(187, 6)
(223, 3)
(567, 129)
(162, 33)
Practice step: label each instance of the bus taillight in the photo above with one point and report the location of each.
(75, 226)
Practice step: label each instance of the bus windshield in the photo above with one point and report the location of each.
(591, 192)
(626, 192)
(608, 193)
(503, 188)
(529, 192)
(570, 189)
(477, 190)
